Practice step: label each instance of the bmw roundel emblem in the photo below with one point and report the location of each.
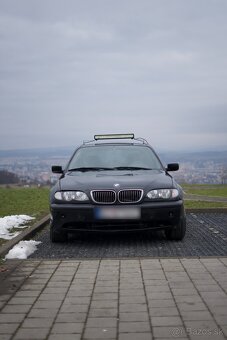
(116, 185)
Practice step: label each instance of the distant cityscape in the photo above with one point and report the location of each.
(34, 166)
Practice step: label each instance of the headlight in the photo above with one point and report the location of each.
(71, 196)
(164, 194)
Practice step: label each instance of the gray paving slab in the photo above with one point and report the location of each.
(120, 300)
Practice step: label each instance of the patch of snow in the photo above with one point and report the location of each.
(22, 250)
(14, 221)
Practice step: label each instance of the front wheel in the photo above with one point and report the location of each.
(177, 232)
(57, 237)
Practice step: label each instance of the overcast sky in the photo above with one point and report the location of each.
(70, 69)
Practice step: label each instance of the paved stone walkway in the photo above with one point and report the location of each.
(136, 299)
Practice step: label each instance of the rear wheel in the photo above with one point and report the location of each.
(177, 233)
(57, 237)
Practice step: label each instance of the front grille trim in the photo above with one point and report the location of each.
(126, 191)
(105, 196)
(103, 199)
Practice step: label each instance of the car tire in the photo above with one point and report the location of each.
(58, 237)
(177, 233)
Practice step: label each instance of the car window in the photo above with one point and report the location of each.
(115, 156)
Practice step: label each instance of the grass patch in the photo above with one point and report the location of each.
(26, 201)
(189, 204)
(206, 190)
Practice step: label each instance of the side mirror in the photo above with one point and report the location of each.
(56, 169)
(172, 167)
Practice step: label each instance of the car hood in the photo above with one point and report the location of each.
(142, 179)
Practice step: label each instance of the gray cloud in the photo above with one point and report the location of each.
(74, 68)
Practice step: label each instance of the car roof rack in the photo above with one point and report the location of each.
(143, 140)
(116, 136)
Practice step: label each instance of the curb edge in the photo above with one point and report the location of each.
(24, 235)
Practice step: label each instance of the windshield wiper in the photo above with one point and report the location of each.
(83, 169)
(130, 168)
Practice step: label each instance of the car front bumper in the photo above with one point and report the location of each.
(84, 217)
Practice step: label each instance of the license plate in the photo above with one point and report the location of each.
(117, 213)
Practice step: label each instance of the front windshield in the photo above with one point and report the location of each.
(112, 156)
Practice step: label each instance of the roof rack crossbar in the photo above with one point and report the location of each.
(115, 136)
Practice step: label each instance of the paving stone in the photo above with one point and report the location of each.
(32, 287)
(65, 337)
(97, 333)
(57, 284)
(223, 329)
(27, 293)
(104, 304)
(200, 325)
(31, 334)
(6, 337)
(5, 297)
(161, 303)
(80, 300)
(74, 308)
(105, 296)
(11, 318)
(196, 315)
(111, 289)
(103, 312)
(133, 327)
(132, 299)
(136, 336)
(157, 289)
(130, 317)
(51, 297)
(54, 290)
(163, 311)
(37, 323)
(205, 337)
(159, 295)
(47, 304)
(16, 309)
(71, 317)
(163, 321)
(169, 332)
(183, 291)
(190, 299)
(192, 306)
(131, 292)
(101, 322)
(8, 328)
(43, 313)
(130, 307)
(67, 328)
(219, 310)
(22, 300)
(221, 320)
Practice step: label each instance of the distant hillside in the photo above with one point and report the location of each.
(40, 153)
(166, 157)
(8, 177)
(181, 157)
